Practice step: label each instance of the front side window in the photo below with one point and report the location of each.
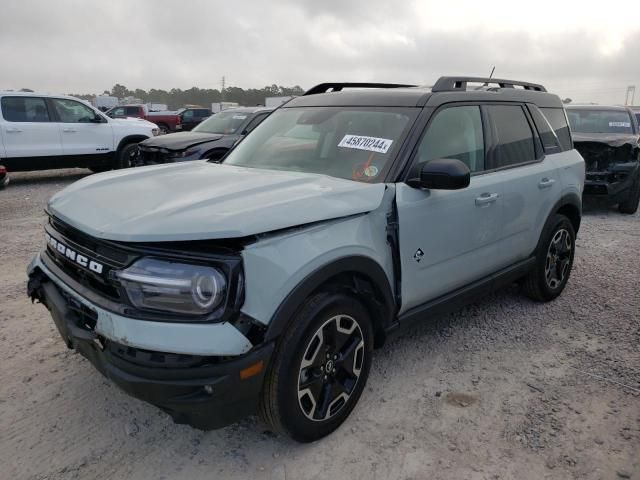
(70, 111)
(355, 143)
(455, 132)
(24, 109)
(223, 123)
(116, 112)
(585, 120)
(515, 143)
(187, 114)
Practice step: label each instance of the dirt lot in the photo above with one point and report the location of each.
(506, 388)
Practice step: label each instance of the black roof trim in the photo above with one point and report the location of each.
(338, 86)
(456, 84)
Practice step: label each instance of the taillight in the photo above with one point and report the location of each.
(3, 169)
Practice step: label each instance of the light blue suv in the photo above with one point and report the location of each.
(262, 284)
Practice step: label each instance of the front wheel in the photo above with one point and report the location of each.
(320, 368)
(554, 260)
(630, 205)
(126, 156)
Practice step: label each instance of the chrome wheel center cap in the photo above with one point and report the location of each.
(329, 366)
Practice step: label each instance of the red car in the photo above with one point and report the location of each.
(4, 177)
(166, 121)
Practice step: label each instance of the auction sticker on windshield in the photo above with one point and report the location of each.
(620, 124)
(372, 144)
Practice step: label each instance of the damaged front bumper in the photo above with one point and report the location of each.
(193, 384)
(615, 182)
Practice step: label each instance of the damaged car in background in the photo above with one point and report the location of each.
(211, 139)
(607, 138)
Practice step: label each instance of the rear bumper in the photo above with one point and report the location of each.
(206, 392)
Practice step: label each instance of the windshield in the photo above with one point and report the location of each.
(224, 123)
(344, 142)
(599, 121)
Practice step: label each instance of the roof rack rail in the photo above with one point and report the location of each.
(336, 87)
(455, 84)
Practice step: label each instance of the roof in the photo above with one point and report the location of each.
(446, 89)
(616, 108)
(248, 109)
(36, 94)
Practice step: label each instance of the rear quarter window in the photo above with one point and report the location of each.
(558, 121)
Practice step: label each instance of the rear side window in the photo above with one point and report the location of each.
(455, 132)
(558, 121)
(25, 109)
(132, 110)
(515, 143)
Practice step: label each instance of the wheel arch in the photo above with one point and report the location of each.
(137, 138)
(570, 205)
(359, 276)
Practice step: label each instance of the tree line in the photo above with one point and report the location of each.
(176, 97)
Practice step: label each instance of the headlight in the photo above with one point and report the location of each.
(173, 287)
(184, 154)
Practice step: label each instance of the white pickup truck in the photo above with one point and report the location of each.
(39, 132)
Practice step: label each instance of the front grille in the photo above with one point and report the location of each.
(108, 257)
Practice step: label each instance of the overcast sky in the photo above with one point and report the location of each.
(583, 51)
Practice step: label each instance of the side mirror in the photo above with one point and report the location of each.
(442, 174)
(97, 119)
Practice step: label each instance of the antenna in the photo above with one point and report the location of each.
(491, 74)
(631, 95)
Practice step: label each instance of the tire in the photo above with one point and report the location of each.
(164, 129)
(99, 169)
(125, 156)
(312, 346)
(630, 205)
(554, 260)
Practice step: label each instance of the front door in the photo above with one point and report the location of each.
(81, 134)
(449, 238)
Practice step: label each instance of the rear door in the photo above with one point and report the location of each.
(531, 180)
(450, 238)
(81, 133)
(27, 128)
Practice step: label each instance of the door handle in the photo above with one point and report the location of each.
(486, 199)
(14, 130)
(546, 183)
(69, 130)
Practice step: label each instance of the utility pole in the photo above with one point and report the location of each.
(629, 99)
(222, 91)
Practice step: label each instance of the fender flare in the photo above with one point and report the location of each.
(136, 138)
(364, 268)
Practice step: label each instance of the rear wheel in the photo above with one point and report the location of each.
(554, 260)
(164, 129)
(630, 205)
(320, 368)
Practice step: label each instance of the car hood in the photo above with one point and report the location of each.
(610, 139)
(181, 140)
(128, 121)
(202, 200)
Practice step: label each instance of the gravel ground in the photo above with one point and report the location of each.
(506, 388)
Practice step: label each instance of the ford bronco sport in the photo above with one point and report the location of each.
(263, 284)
